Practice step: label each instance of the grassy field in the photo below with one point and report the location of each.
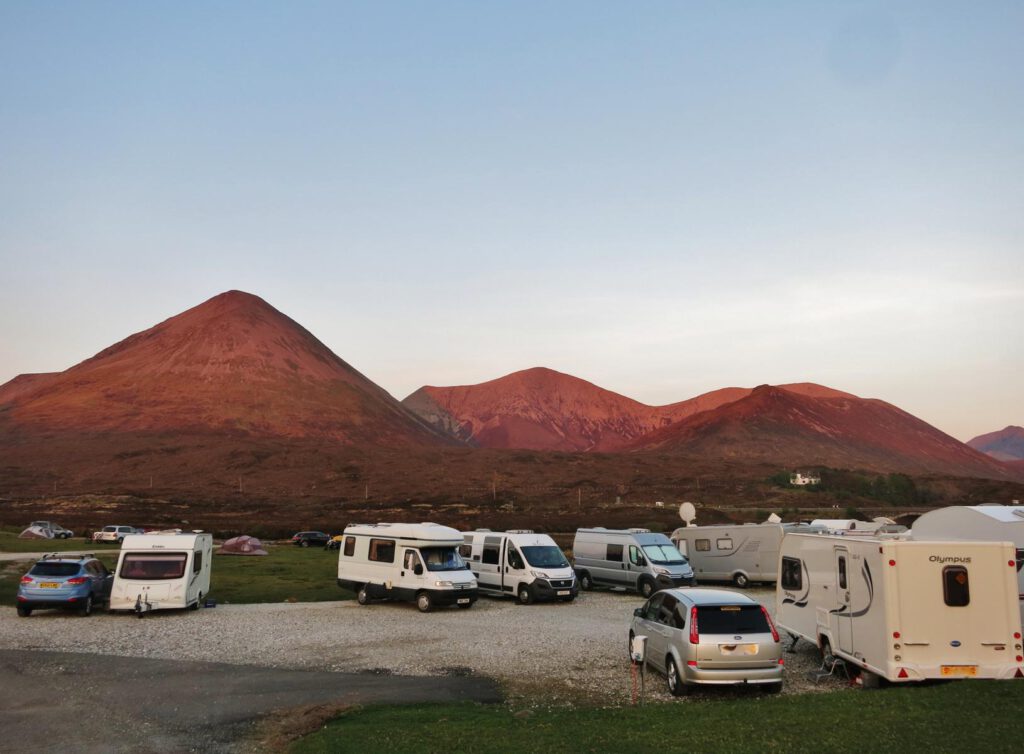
(960, 716)
(287, 573)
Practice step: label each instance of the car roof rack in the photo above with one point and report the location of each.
(67, 556)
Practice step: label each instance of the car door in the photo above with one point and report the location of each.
(647, 626)
(515, 567)
(636, 565)
(413, 573)
(662, 627)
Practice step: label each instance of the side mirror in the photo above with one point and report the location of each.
(469, 567)
(418, 570)
(638, 613)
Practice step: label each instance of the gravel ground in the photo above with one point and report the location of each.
(544, 653)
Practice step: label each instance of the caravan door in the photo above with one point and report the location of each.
(844, 607)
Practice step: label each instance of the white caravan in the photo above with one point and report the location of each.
(411, 562)
(903, 610)
(162, 570)
(996, 523)
(740, 553)
(519, 563)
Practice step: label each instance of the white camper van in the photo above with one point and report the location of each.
(411, 562)
(519, 562)
(994, 523)
(740, 553)
(162, 570)
(629, 558)
(903, 610)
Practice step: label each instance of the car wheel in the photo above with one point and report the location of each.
(24, 611)
(304, 543)
(525, 595)
(646, 588)
(120, 540)
(586, 583)
(86, 609)
(424, 603)
(363, 596)
(741, 580)
(772, 688)
(676, 687)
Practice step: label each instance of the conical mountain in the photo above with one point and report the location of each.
(1006, 445)
(232, 364)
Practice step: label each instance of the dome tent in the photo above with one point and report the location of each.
(243, 545)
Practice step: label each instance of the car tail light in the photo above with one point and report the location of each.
(771, 623)
(782, 661)
(77, 580)
(26, 579)
(694, 633)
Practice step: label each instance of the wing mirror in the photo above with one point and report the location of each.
(418, 570)
(638, 613)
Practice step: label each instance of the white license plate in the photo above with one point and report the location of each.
(464, 601)
(563, 593)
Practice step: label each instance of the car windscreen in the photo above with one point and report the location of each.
(55, 569)
(442, 559)
(664, 555)
(109, 528)
(156, 566)
(732, 619)
(544, 556)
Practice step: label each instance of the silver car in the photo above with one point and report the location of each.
(709, 636)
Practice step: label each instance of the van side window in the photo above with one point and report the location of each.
(634, 555)
(842, 572)
(702, 545)
(723, 544)
(792, 574)
(350, 546)
(197, 563)
(614, 553)
(490, 554)
(956, 589)
(382, 550)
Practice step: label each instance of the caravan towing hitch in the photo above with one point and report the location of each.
(792, 645)
(141, 608)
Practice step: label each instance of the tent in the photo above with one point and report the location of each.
(243, 545)
(36, 532)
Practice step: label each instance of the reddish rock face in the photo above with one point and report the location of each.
(233, 363)
(1005, 445)
(23, 383)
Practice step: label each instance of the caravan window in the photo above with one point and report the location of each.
(842, 572)
(350, 547)
(702, 545)
(157, 566)
(614, 553)
(956, 588)
(466, 551)
(197, 563)
(792, 575)
(724, 544)
(382, 550)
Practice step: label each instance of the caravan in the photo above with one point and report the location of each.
(411, 562)
(162, 570)
(903, 610)
(519, 562)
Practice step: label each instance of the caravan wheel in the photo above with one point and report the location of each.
(363, 596)
(741, 580)
(197, 603)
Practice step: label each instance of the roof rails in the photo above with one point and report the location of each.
(67, 556)
(520, 531)
(639, 531)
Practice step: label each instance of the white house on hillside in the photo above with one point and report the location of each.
(801, 480)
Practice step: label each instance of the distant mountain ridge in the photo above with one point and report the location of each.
(1005, 445)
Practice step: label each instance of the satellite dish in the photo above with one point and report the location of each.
(688, 513)
(773, 519)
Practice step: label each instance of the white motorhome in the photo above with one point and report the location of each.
(519, 563)
(411, 562)
(903, 610)
(740, 553)
(162, 570)
(995, 523)
(633, 559)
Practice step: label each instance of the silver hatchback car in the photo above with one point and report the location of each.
(709, 636)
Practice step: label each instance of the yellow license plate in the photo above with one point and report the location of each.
(49, 585)
(738, 649)
(959, 670)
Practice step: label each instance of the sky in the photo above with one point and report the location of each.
(664, 198)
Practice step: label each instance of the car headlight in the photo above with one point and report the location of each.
(661, 571)
(539, 574)
(442, 583)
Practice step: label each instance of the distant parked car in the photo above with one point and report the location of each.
(58, 531)
(70, 583)
(334, 542)
(709, 636)
(115, 533)
(310, 539)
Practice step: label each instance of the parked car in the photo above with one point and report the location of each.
(72, 583)
(334, 542)
(115, 533)
(310, 539)
(58, 531)
(709, 636)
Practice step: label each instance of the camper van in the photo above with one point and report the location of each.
(740, 553)
(410, 562)
(519, 563)
(633, 559)
(903, 610)
(993, 523)
(162, 570)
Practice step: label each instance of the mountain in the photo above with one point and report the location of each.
(1005, 445)
(791, 428)
(541, 409)
(233, 364)
(23, 383)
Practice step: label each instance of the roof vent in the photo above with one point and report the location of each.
(519, 531)
(639, 531)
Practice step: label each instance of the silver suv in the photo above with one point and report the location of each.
(709, 636)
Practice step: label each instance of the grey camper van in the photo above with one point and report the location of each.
(634, 559)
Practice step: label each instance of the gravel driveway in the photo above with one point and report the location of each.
(545, 652)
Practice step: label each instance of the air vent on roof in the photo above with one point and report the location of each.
(639, 531)
(519, 531)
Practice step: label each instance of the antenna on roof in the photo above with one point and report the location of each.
(688, 513)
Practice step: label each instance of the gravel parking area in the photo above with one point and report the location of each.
(546, 652)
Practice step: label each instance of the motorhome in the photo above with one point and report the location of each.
(740, 553)
(903, 610)
(995, 523)
(417, 563)
(162, 570)
(519, 563)
(632, 559)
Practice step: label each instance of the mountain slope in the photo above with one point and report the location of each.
(1005, 445)
(232, 364)
(22, 384)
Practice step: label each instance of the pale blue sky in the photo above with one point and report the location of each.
(662, 198)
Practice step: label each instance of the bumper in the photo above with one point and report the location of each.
(672, 582)
(546, 590)
(53, 597)
(723, 676)
(445, 597)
